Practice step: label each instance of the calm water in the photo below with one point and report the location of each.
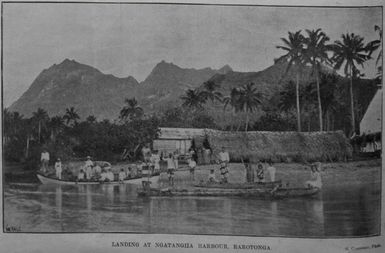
(338, 211)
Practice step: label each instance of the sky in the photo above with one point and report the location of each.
(130, 39)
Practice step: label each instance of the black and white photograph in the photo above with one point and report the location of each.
(192, 119)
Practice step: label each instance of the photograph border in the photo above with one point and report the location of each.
(3, 3)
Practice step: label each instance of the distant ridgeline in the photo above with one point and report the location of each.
(90, 92)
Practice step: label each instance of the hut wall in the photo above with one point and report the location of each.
(280, 146)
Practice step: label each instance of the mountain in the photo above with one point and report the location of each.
(74, 84)
(167, 82)
(91, 92)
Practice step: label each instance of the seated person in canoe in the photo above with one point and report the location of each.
(315, 175)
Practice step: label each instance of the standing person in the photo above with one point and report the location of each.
(155, 159)
(170, 169)
(146, 152)
(58, 168)
(271, 169)
(176, 157)
(192, 164)
(224, 159)
(315, 174)
(44, 158)
(224, 156)
(192, 154)
(249, 171)
(122, 175)
(260, 173)
(88, 167)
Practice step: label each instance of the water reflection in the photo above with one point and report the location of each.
(338, 211)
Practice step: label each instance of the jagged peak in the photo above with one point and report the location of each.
(225, 69)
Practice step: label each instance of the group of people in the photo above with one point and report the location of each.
(44, 159)
(258, 175)
(151, 165)
(173, 164)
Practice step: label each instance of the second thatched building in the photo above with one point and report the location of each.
(277, 146)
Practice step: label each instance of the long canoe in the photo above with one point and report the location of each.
(138, 180)
(257, 193)
(239, 185)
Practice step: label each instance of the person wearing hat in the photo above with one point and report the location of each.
(315, 174)
(58, 168)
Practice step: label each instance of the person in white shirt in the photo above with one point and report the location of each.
(110, 176)
(271, 170)
(146, 152)
(170, 169)
(316, 180)
(122, 175)
(58, 168)
(176, 157)
(192, 164)
(81, 175)
(155, 159)
(88, 168)
(103, 176)
(44, 158)
(224, 156)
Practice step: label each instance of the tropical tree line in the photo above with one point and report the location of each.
(314, 49)
(246, 99)
(325, 93)
(68, 137)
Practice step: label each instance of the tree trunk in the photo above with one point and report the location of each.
(319, 100)
(27, 148)
(39, 130)
(352, 102)
(247, 121)
(297, 98)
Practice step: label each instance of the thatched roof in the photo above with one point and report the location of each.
(371, 122)
(279, 146)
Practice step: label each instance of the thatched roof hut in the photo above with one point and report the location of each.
(278, 146)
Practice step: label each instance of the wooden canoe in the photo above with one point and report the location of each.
(138, 180)
(239, 185)
(257, 193)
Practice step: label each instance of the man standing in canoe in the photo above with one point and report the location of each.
(88, 168)
(271, 170)
(44, 160)
(58, 168)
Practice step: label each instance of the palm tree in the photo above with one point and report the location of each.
(193, 99)
(233, 101)
(56, 124)
(91, 119)
(248, 100)
(71, 115)
(316, 53)
(373, 46)
(41, 118)
(350, 52)
(294, 55)
(210, 91)
(131, 110)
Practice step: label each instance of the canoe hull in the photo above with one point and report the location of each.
(48, 180)
(252, 193)
(239, 185)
